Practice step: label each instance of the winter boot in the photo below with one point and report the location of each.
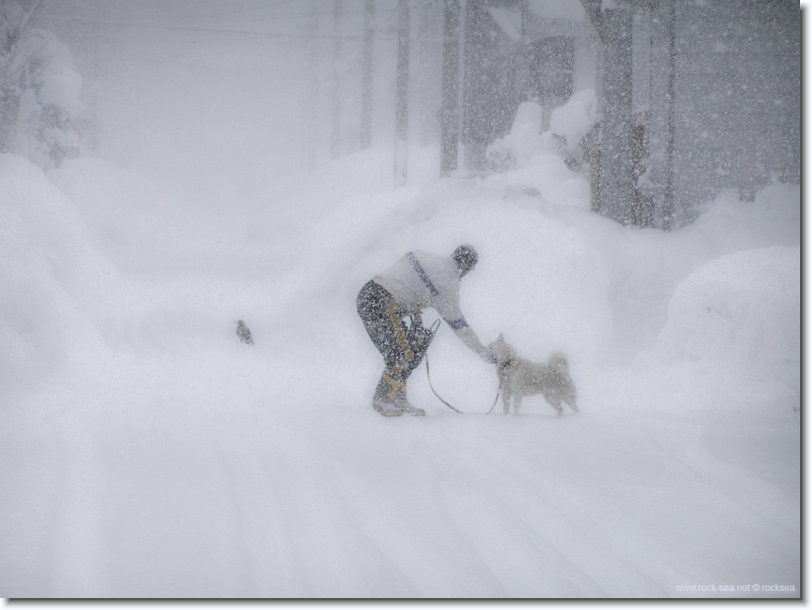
(403, 402)
(384, 400)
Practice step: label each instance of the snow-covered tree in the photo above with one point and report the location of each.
(40, 109)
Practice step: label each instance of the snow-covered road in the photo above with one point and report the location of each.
(181, 492)
(146, 452)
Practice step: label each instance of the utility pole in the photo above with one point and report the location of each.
(312, 116)
(662, 58)
(449, 112)
(615, 189)
(667, 204)
(335, 139)
(366, 66)
(402, 93)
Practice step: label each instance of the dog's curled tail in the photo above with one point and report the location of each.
(559, 361)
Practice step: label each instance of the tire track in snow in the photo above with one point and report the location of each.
(346, 561)
(309, 514)
(414, 534)
(734, 482)
(78, 548)
(656, 513)
(378, 484)
(268, 550)
(556, 533)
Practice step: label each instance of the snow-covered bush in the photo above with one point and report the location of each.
(571, 122)
(522, 143)
(40, 109)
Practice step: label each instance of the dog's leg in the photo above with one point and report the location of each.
(554, 400)
(517, 403)
(506, 394)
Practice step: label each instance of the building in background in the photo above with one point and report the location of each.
(695, 97)
(515, 51)
(724, 100)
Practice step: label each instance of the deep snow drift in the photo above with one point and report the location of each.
(145, 451)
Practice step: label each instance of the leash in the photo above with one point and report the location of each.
(428, 375)
(433, 329)
(495, 399)
(504, 365)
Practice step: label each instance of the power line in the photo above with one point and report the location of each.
(262, 7)
(291, 35)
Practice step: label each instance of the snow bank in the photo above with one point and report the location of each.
(130, 219)
(743, 306)
(738, 317)
(772, 218)
(546, 177)
(56, 286)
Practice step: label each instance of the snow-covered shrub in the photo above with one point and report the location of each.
(40, 109)
(571, 122)
(522, 143)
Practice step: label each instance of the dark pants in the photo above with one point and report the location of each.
(402, 346)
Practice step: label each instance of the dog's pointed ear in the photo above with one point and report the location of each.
(501, 337)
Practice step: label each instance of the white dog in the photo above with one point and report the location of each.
(519, 377)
